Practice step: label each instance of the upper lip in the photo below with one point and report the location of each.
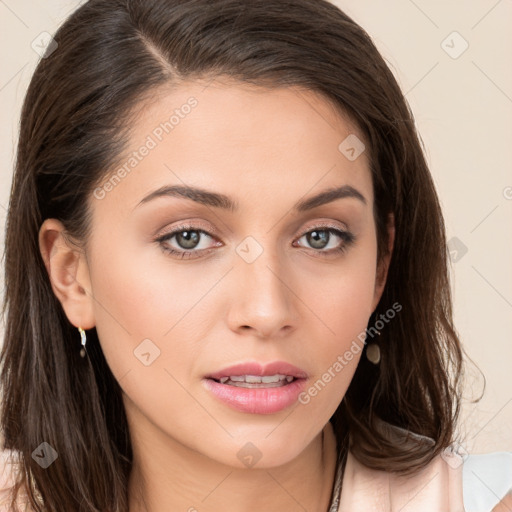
(259, 369)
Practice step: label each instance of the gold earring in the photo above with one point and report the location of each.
(83, 339)
(373, 353)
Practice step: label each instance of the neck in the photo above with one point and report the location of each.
(167, 475)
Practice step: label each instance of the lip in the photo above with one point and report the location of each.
(258, 400)
(260, 370)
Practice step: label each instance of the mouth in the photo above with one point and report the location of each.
(257, 389)
(256, 382)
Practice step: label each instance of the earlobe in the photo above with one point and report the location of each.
(68, 273)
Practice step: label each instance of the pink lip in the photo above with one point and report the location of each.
(253, 368)
(258, 400)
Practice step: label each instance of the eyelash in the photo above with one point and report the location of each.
(347, 237)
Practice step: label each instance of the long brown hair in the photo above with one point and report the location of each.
(111, 55)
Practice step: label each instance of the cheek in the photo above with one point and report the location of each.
(344, 310)
(135, 303)
(145, 323)
(341, 293)
(340, 305)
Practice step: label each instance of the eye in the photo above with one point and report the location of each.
(321, 237)
(187, 239)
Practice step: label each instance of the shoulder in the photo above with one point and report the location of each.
(487, 482)
(471, 483)
(437, 487)
(8, 476)
(453, 481)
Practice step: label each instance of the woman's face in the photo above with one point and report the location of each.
(255, 275)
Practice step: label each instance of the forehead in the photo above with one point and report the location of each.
(244, 140)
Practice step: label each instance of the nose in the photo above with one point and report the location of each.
(263, 301)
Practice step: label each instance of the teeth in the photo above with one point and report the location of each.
(268, 378)
(256, 379)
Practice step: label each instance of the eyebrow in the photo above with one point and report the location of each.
(218, 200)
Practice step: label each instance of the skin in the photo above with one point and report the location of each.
(266, 149)
(505, 505)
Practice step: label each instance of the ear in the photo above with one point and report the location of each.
(68, 271)
(383, 265)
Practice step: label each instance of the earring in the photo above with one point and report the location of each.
(83, 339)
(373, 353)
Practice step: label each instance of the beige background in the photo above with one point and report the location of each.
(462, 101)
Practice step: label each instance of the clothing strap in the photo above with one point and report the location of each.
(341, 460)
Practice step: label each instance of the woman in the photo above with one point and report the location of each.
(226, 274)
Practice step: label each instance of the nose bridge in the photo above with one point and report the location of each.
(263, 299)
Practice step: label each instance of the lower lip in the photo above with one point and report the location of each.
(257, 400)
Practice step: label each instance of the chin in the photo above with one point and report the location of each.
(263, 449)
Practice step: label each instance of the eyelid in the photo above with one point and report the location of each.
(326, 224)
(190, 225)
